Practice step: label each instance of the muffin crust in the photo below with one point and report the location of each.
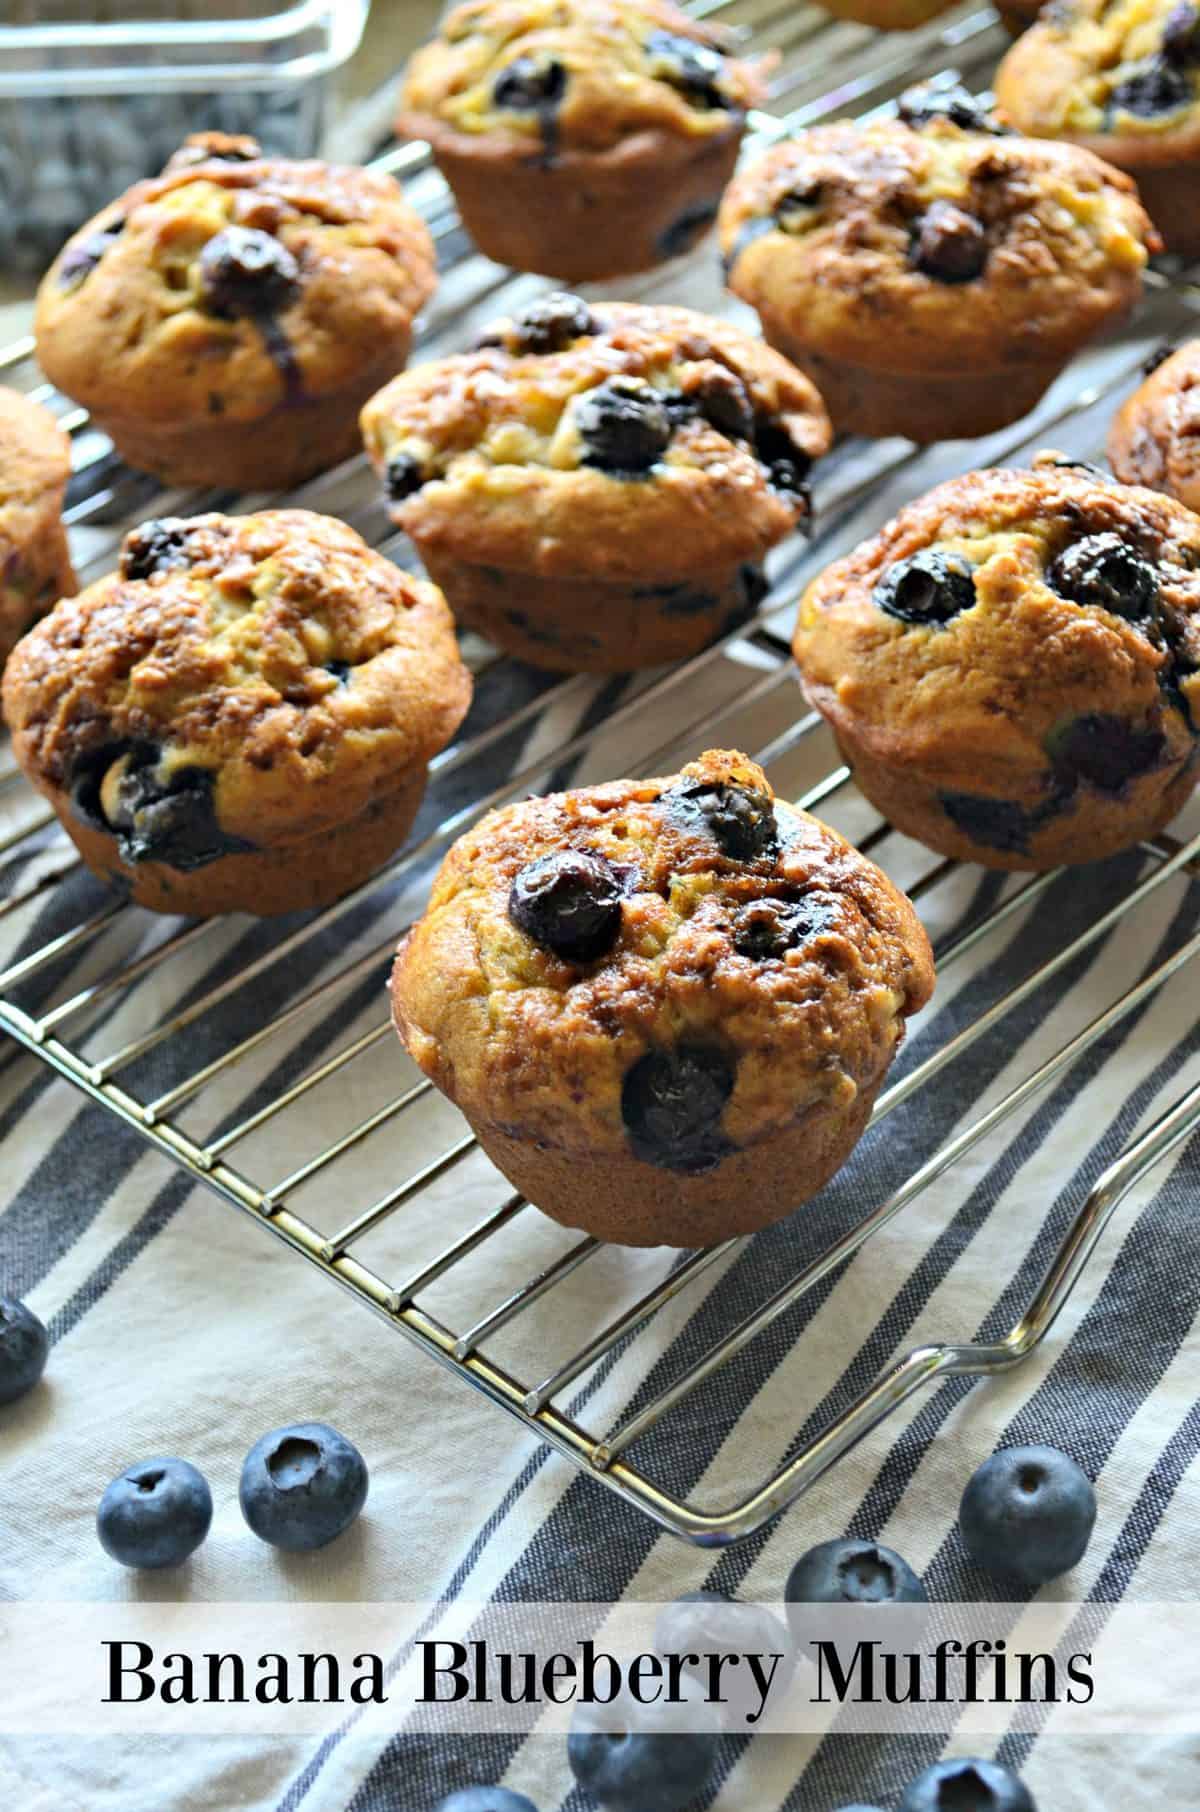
(35, 563)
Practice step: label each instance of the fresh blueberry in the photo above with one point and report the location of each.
(932, 587)
(1157, 87)
(24, 1345)
(767, 929)
(570, 902)
(530, 84)
(404, 476)
(850, 1572)
(739, 819)
(302, 1485)
(1103, 571)
(1105, 750)
(643, 1758)
(693, 68)
(158, 546)
(550, 324)
(485, 1799)
(82, 256)
(1028, 1514)
(967, 1786)
(708, 1623)
(950, 245)
(672, 1101)
(155, 1514)
(787, 464)
(918, 106)
(244, 271)
(624, 426)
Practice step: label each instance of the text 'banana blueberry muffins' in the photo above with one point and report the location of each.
(239, 718)
(582, 138)
(665, 1006)
(933, 273)
(1012, 665)
(1121, 78)
(595, 486)
(1155, 438)
(225, 322)
(35, 562)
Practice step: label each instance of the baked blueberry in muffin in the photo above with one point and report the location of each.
(1155, 438)
(35, 562)
(665, 1006)
(582, 138)
(224, 322)
(241, 716)
(932, 273)
(595, 486)
(1012, 665)
(1123, 80)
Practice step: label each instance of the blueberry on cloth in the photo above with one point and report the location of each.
(158, 546)
(967, 1786)
(155, 1514)
(570, 902)
(672, 1101)
(1103, 570)
(643, 1758)
(850, 1572)
(708, 1623)
(1027, 1514)
(485, 1799)
(932, 587)
(24, 1345)
(739, 819)
(302, 1485)
(245, 271)
(624, 426)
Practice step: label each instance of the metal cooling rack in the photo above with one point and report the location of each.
(77, 966)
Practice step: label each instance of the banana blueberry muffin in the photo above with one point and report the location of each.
(665, 1006)
(932, 273)
(225, 321)
(1122, 79)
(35, 564)
(1012, 665)
(240, 717)
(582, 138)
(1155, 439)
(595, 486)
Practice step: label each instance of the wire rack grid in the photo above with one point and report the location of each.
(84, 977)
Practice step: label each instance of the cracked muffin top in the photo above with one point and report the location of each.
(35, 464)
(229, 281)
(1016, 623)
(1094, 69)
(874, 232)
(595, 964)
(576, 74)
(276, 655)
(1155, 439)
(598, 436)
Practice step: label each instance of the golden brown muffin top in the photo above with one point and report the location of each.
(277, 656)
(1155, 438)
(1127, 69)
(601, 438)
(926, 242)
(578, 74)
(228, 279)
(1015, 623)
(730, 962)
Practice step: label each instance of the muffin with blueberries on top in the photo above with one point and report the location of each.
(932, 273)
(1155, 438)
(595, 486)
(1122, 79)
(240, 718)
(35, 562)
(1012, 665)
(665, 1006)
(225, 321)
(582, 138)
